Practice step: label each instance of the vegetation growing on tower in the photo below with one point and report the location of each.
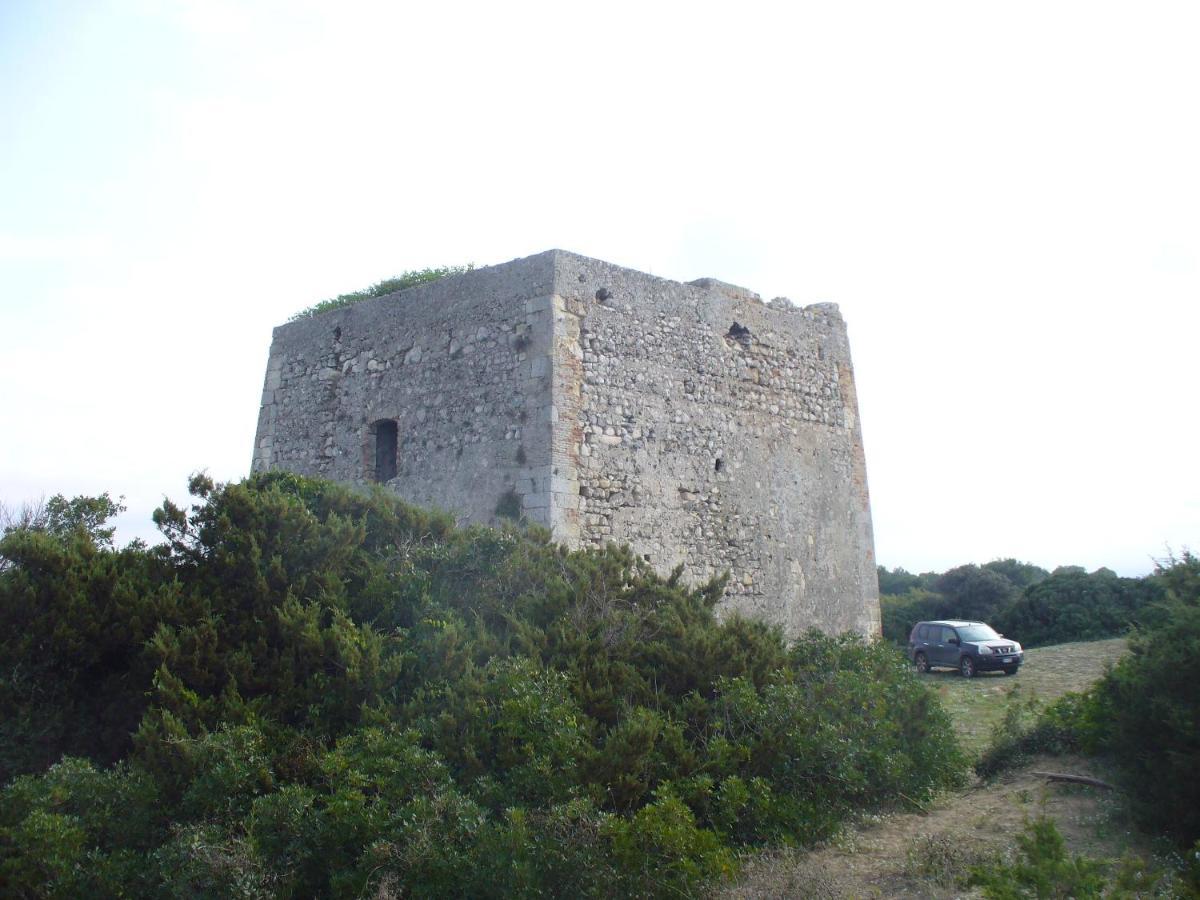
(400, 282)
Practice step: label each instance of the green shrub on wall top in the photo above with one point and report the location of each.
(405, 280)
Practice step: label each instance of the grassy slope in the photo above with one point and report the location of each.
(978, 704)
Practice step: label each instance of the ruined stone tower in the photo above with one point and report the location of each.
(692, 421)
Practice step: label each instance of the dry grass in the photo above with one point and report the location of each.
(786, 874)
(929, 855)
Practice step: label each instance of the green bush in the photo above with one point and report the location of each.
(391, 285)
(1044, 869)
(901, 612)
(1065, 726)
(75, 618)
(1147, 712)
(311, 691)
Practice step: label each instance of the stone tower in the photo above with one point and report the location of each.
(693, 422)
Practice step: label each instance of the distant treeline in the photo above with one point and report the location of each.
(1019, 599)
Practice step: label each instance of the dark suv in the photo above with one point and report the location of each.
(969, 647)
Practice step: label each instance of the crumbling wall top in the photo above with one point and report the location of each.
(732, 290)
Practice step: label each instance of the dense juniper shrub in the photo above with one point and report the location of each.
(1146, 711)
(75, 620)
(311, 691)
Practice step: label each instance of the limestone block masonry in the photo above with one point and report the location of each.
(693, 422)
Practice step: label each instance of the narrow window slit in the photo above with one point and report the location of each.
(386, 447)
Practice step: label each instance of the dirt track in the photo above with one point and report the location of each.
(918, 855)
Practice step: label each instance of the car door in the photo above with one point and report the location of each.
(953, 643)
(941, 651)
(919, 643)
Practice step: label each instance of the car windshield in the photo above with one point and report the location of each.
(977, 633)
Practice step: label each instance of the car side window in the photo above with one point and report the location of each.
(922, 632)
(948, 634)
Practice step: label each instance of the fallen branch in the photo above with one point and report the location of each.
(1077, 779)
(917, 803)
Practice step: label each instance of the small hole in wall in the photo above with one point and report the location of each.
(738, 332)
(718, 465)
(603, 294)
(337, 333)
(646, 557)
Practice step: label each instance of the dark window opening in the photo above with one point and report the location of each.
(720, 464)
(386, 447)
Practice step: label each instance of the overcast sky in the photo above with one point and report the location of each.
(1004, 199)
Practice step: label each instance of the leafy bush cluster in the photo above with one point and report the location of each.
(1020, 599)
(308, 691)
(1144, 713)
(1043, 867)
(1027, 730)
(388, 286)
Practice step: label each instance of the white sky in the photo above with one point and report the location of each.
(1004, 199)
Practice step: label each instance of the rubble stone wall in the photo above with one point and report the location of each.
(461, 366)
(693, 422)
(718, 432)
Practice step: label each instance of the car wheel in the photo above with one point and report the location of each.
(921, 663)
(967, 666)
(1012, 671)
